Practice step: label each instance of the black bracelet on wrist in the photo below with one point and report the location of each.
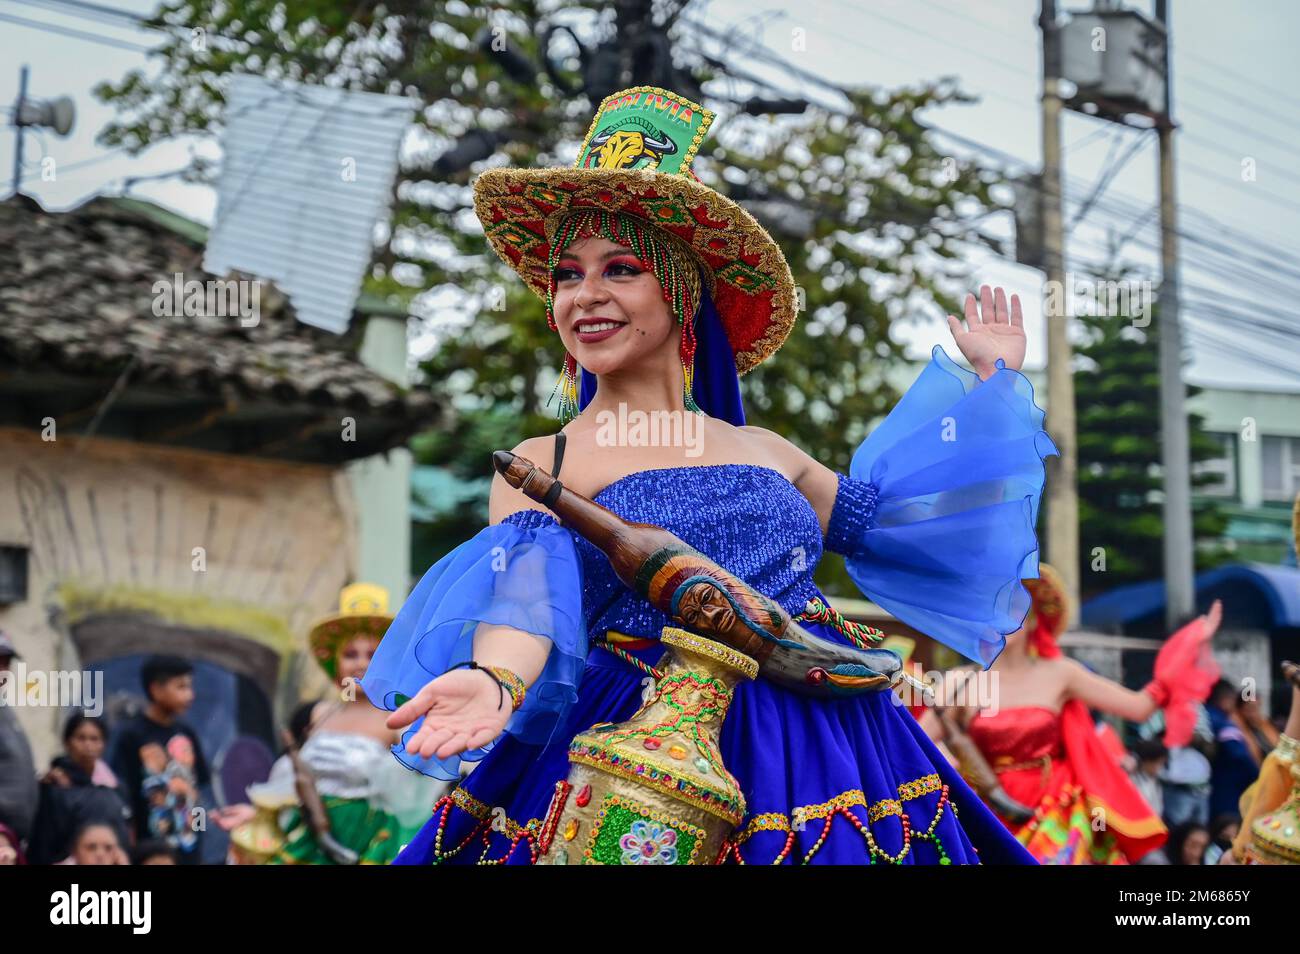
(471, 664)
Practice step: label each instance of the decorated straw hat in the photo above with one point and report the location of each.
(1049, 616)
(363, 611)
(636, 161)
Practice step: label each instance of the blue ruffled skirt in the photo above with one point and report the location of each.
(826, 782)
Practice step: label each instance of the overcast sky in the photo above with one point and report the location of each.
(1235, 81)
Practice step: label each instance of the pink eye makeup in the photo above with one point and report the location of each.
(625, 263)
(567, 268)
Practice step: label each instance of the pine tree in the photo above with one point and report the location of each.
(1117, 396)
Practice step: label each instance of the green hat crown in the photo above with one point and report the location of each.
(645, 128)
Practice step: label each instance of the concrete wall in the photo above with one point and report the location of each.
(231, 557)
(1249, 415)
(1245, 658)
(382, 484)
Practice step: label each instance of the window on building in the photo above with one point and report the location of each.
(13, 575)
(1223, 467)
(1280, 465)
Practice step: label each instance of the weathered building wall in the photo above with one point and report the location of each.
(229, 558)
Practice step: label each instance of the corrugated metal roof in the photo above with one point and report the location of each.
(285, 209)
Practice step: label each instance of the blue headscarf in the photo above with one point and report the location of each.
(717, 385)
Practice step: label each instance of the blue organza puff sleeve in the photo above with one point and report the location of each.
(936, 516)
(523, 573)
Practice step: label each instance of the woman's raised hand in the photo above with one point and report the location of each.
(993, 330)
(463, 709)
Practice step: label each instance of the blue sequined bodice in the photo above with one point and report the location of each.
(749, 519)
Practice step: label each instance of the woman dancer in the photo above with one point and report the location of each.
(346, 753)
(664, 292)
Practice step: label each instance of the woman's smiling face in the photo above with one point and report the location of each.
(610, 307)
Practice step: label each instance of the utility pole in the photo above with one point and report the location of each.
(1180, 571)
(1062, 471)
(56, 114)
(18, 112)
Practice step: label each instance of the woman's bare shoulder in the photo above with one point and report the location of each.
(540, 450)
(760, 433)
(1068, 669)
(320, 714)
(770, 444)
(815, 481)
(503, 500)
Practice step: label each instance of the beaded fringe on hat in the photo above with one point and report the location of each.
(677, 273)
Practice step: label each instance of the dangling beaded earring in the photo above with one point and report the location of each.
(691, 299)
(567, 385)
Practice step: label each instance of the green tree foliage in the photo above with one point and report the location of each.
(1117, 396)
(890, 211)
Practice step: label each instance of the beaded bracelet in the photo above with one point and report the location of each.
(509, 682)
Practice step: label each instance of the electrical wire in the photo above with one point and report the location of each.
(75, 34)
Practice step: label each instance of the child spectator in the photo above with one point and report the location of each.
(1185, 779)
(96, 844)
(160, 760)
(1223, 830)
(155, 851)
(1151, 756)
(1187, 844)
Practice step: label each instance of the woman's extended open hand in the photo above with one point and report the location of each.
(463, 709)
(992, 331)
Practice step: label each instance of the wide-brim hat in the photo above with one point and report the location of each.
(636, 161)
(1051, 601)
(363, 611)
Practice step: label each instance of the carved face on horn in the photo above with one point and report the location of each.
(702, 596)
(704, 608)
(728, 610)
(680, 580)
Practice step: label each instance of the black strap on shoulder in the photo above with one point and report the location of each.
(553, 494)
(559, 453)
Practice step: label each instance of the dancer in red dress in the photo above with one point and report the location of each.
(1047, 753)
